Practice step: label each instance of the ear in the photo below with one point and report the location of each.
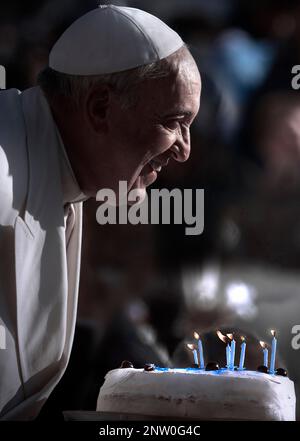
(96, 107)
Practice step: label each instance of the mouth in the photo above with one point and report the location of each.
(155, 165)
(152, 168)
(149, 172)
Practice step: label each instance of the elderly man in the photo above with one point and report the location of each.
(115, 103)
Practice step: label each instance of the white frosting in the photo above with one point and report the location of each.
(212, 395)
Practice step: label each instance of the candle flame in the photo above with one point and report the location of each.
(230, 336)
(222, 337)
(263, 344)
(243, 338)
(273, 332)
(196, 335)
(191, 347)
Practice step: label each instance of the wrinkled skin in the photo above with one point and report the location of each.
(107, 143)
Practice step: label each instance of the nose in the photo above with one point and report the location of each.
(181, 149)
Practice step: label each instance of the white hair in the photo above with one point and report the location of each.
(124, 83)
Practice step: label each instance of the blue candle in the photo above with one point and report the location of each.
(201, 354)
(242, 354)
(273, 352)
(200, 350)
(228, 349)
(192, 347)
(232, 353)
(265, 352)
(228, 355)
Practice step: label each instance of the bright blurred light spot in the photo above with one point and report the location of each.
(240, 297)
(238, 294)
(201, 288)
(206, 287)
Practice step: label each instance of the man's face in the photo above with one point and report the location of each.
(142, 139)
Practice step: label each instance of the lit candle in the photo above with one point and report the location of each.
(243, 353)
(273, 352)
(265, 352)
(192, 347)
(225, 340)
(232, 351)
(200, 349)
(228, 355)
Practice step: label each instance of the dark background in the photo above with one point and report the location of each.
(145, 289)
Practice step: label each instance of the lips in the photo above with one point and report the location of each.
(157, 165)
(151, 169)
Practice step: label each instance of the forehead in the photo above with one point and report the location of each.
(180, 90)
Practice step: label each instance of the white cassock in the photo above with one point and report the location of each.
(40, 248)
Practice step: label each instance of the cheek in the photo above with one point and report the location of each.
(156, 142)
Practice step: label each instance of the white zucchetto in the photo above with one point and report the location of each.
(112, 39)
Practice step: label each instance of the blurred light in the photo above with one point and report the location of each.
(203, 289)
(240, 297)
(200, 288)
(238, 294)
(206, 287)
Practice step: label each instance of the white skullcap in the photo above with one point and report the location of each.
(112, 39)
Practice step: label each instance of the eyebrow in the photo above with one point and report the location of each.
(177, 112)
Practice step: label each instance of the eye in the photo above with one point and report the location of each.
(173, 124)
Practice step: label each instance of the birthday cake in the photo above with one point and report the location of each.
(193, 393)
